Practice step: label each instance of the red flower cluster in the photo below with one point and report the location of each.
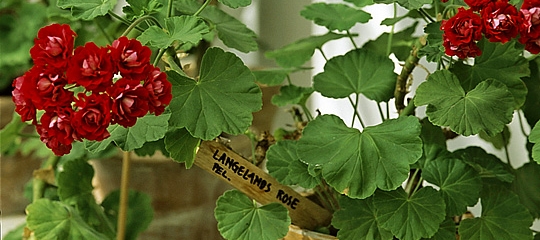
(497, 20)
(84, 91)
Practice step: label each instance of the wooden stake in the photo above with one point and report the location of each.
(259, 185)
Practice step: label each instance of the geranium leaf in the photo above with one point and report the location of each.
(499, 140)
(57, 220)
(299, 52)
(272, 77)
(335, 16)
(527, 187)
(87, 9)
(75, 181)
(357, 219)
(410, 217)
(532, 102)
(292, 94)
(148, 128)
(434, 143)
(447, 230)
(231, 31)
(185, 29)
(139, 213)
(235, 3)
(358, 162)
(502, 217)
(534, 137)
(139, 8)
(359, 71)
(285, 165)
(413, 4)
(459, 183)
(401, 43)
(10, 133)
(182, 146)
(488, 107)
(222, 100)
(502, 62)
(150, 148)
(487, 165)
(361, 3)
(240, 218)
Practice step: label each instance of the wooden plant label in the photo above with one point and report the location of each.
(259, 185)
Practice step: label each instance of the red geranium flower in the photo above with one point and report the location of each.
(91, 67)
(56, 131)
(530, 27)
(159, 90)
(92, 117)
(131, 57)
(23, 102)
(53, 46)
(49, 89)
(461, 33)
(130, 101)
(501, 21)
(478, 5)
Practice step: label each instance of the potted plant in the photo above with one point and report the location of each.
(393, 179)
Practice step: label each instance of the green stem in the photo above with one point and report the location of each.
(158, 56)
(202, 8)
(401, 83)
(356, 113)
(139, 20)
(409, 109)
(426, 15)
(124, 196)
(410, 183)
(521, 125)
(170, 8)
(381, 112)
(307, 112)
(289, 79)
(420, 180)
(352, 40)
(322, 53)
(102, 30)
(123, 20)
(505, 141)
(38, 185)
(391, 34)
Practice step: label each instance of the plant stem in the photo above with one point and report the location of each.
(139, 20)
(124, 196)
(306, 112)
(401, 83)
(381, 112)
(356, 113)
(158, 56)
(322, 53)
(123, 20)
(409, 110)
(202, 8)
(505, 144)
(521, 125)
(38, 185)
(352, 40)
(170, 8)
(391, 34)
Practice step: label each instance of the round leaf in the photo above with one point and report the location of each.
(487, 165)
(239, 218)
(410, 217)
(534, 137)
(139, 212)
(285, 165)
(358, 163)
(235, 3)
(87, 9)
(358, 71)
(222, 100)
(75, 181)
(182, 146)
(527, 187)
(335, 16)
(503, 217)
(357, 219)
(291, 94)
(185, 29)
(488, 107)
(459, 183)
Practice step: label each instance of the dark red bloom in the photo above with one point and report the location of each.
(23, 102)
(56, 131)
(461, 33)
(91, 67)
(131, 57)
(530, 27)
(478, 5)
(53, 46)
(49, 91)
(501, 21)
(130, 101)
(92, 116)
(159, 90)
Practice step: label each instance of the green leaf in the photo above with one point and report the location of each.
(410, 217)
(150, 148)
(185, 29)
(15, 234)
(503, 217)
(235, 3)
(359, 71)
(292, 94)
(434, 143)
(534, 137)
(139, 212)
(87, 9)
(56, 220)
(272, 77)
(139, 8)
(10, 133)
(499, 140)
(335, 16)
(503, 62)
(432, 50)
(357, 219)
(285, 165)
(358, 162)
(488, 107)
(527, 187)
(148, 128)
(532, 102)
(487, 165)
(231, 31)
(240, 218)
(299, 52)
(459, 184)
(361, 3)
(182, 146)
(400, 45)
(413, 4)
(222, 100)
(447, 230)
(75, 181)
